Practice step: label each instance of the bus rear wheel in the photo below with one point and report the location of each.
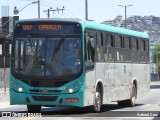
(121, 103)
(131, 102)
(34, 108)
(97, 101)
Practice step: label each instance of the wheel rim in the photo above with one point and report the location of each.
(133, 95)
(98, 100)
(133, 99)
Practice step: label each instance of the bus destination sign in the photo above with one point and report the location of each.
(49, 28)
(43, 27)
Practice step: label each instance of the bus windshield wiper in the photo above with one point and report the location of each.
(58, 46)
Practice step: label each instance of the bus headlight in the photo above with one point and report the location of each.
(17, 87)
(20, 89)
(70, 90)
(74, 87)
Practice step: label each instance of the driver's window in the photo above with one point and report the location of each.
(89, 47)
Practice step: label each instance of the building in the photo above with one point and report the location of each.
(150, 24)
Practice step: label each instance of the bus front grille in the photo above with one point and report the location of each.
(49, 91)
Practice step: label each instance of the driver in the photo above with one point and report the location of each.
(71, 52)
(45, 57)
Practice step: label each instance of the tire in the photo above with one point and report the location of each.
(121, 104)
(34, 108)
(97, 101)
(131, 102)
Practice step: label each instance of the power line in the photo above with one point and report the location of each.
(53, 10)
(7, 22)
(55, 5)
(50, 3)
(71, 14)
(45, 5)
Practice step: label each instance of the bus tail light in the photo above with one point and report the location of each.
(72, 100)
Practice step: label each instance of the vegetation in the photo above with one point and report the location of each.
(156, 55)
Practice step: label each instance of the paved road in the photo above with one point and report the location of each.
(148, 105)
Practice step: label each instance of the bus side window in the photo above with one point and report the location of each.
(146, 47)
(90, 51)
(126, 42)
(133, 44)
(99, 39)
(118, 41)
(110, 42)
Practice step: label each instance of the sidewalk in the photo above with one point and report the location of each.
(4, 98)
(155, 85)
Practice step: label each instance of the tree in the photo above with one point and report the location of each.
(156, 56)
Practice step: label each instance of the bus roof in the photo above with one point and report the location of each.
(112, 29)
(50, 20)
(95, 25)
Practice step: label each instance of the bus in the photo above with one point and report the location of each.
(72, 62)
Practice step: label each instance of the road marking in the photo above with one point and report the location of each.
(29, 118)
(4, 107)
(154, 89)
(7, 106)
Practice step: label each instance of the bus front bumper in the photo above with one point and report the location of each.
(74, 99)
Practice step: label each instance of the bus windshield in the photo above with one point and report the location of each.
(47, 56)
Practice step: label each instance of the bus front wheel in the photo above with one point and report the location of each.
(34, 108)
(97, 101)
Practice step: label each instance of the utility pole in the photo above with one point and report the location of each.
(53, 10)
(86, 7)
(125, 6)
(38, 8)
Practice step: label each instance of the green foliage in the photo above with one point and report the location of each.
(155, 54)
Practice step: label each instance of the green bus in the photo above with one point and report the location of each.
(72, 62)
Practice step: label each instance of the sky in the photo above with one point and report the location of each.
(98, 10)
